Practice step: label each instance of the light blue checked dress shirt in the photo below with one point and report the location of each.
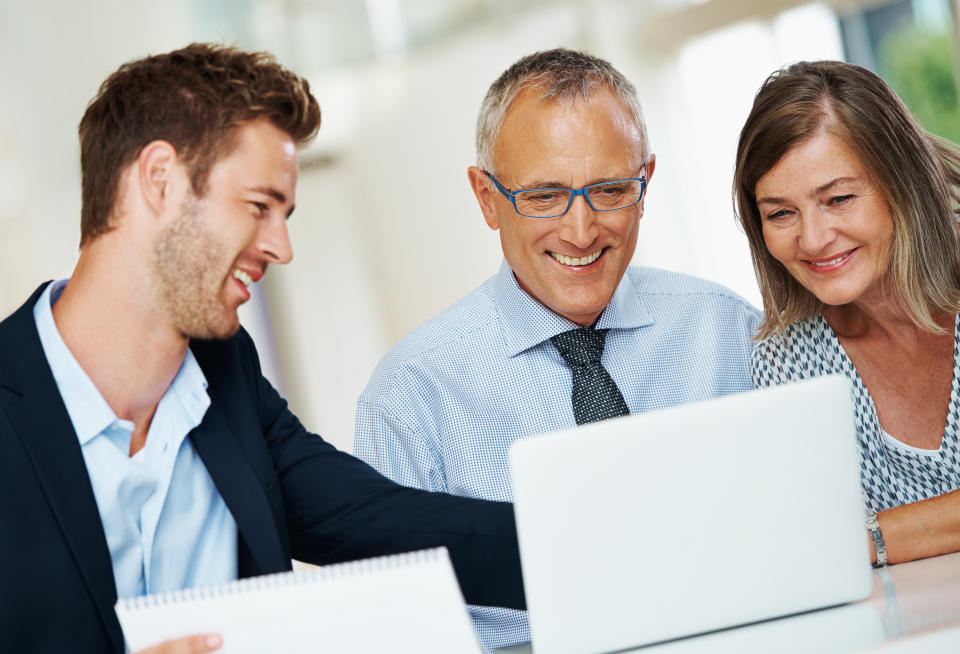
(444, 405)
(166, 525)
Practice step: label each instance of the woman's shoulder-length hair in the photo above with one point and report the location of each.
(917, 173)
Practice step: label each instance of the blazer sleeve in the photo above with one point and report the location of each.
(339, 508)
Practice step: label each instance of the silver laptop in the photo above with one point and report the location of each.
(677, 522)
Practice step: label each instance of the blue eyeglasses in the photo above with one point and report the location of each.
(554, 202)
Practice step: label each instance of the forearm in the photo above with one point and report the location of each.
(337, 517)
(338, 508)
(920, 530)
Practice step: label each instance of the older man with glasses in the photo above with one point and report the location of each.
(567, 332)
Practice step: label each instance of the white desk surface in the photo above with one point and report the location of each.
(914, 607)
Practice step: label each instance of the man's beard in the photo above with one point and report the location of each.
(189, 267)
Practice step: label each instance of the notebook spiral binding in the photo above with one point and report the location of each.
(286, 579)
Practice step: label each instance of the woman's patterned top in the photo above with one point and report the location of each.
(890, 476)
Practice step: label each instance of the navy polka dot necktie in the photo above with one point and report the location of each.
(595, 395)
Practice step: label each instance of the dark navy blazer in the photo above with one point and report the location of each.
(291, 494)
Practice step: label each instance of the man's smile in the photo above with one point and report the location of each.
(242, 277)
(577, 261)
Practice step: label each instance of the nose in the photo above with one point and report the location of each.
(273, 240)
(816, 232)
(579, 225)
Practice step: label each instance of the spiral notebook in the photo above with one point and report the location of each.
(401, 603)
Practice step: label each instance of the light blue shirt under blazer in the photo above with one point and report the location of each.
(166, 525)
(444, 405)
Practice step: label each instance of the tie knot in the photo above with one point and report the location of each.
(580, 347)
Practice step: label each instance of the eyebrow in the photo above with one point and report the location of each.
(817, 191)
(535, 185)
(553, 184)
(269, 190)
(838, 180)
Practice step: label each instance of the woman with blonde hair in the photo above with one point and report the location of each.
(850, 210)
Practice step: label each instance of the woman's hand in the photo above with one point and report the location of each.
(920, 530)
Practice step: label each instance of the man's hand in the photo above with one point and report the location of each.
(189, 645)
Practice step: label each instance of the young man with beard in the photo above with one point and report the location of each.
(141, 449)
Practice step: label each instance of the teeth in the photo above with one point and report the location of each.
(243, 277)
(832, 261)
(577, 261)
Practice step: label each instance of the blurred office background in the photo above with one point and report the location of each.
(386, 231)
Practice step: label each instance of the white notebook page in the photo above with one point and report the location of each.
(402, 603)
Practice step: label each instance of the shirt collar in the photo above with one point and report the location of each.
(88, 411)
(528, 323)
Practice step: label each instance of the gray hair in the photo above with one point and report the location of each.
(561, 73)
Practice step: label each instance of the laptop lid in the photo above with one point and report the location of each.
(676, 522)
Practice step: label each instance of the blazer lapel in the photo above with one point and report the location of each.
(241, 491)
(43, 425)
